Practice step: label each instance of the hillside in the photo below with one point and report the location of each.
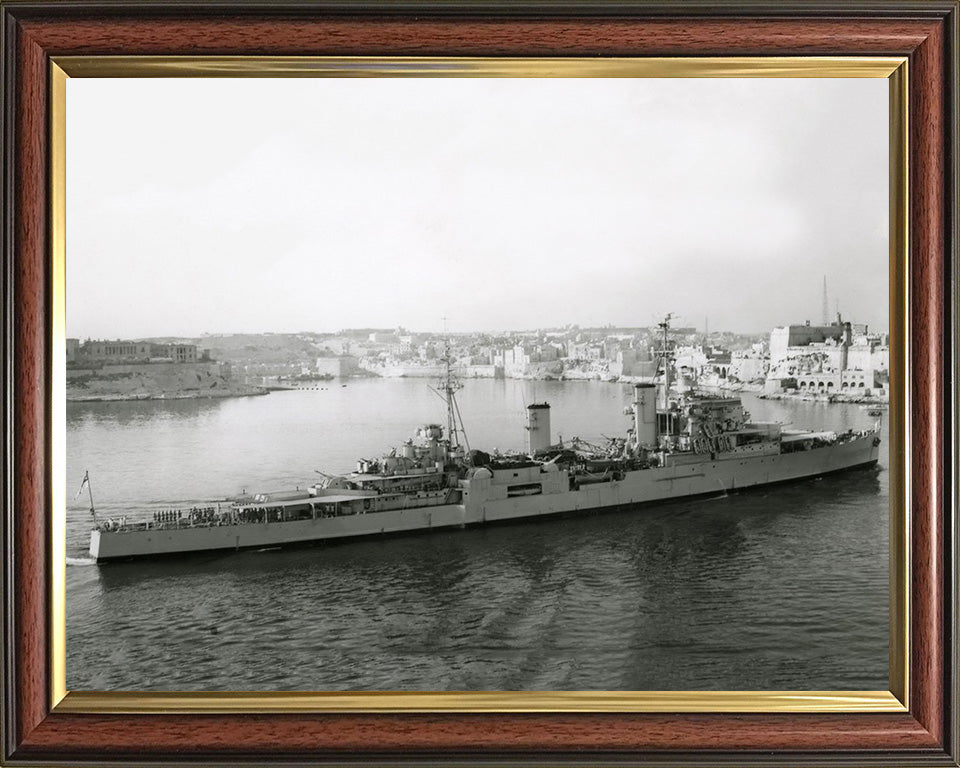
(258, 348)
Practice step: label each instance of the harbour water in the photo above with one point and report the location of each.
(784, 588)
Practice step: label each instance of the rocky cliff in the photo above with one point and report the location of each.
(154, 381)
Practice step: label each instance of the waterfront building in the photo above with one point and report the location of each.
(523, 360)
(791, 340)
(340, 365)
(749, 364)
(691, 357)
(841, 358)
(182, 353)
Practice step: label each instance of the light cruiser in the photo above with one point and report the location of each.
(699, 447)
(679, 445)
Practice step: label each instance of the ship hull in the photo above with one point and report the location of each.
(730, 473)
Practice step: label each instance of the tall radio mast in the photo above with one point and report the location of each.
(826, 303)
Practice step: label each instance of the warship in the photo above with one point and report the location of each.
(680, 444)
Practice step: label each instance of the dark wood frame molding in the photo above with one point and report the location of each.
(926, 32)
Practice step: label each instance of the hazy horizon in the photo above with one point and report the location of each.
(273, 206)
(420, 331)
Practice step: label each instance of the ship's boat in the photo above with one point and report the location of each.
(680, 444)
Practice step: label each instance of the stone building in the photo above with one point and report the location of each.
(118, 350)
(841, 358)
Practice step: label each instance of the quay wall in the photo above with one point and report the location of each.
(483, 372)
(413, 371)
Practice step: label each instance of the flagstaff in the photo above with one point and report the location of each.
(86, 483)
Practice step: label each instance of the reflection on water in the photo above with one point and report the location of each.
(780, 588)
(137, 412)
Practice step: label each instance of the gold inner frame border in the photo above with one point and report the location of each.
(894, 69)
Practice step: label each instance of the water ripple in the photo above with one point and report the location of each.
(780, 589)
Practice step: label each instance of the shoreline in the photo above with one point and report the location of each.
(746, 388)
(877, 400)
(126, 398)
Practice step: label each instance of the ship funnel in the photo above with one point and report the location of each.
(538, 427)
(645, 415)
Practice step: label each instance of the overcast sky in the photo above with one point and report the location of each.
(254, 205)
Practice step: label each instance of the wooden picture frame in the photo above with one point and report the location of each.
(37, 731)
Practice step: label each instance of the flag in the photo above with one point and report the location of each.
(84, 484)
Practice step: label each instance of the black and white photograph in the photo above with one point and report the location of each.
(477, 384)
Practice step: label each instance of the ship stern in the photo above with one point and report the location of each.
(862, 452)
(95, 544)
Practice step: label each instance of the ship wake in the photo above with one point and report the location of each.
(80, 561)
